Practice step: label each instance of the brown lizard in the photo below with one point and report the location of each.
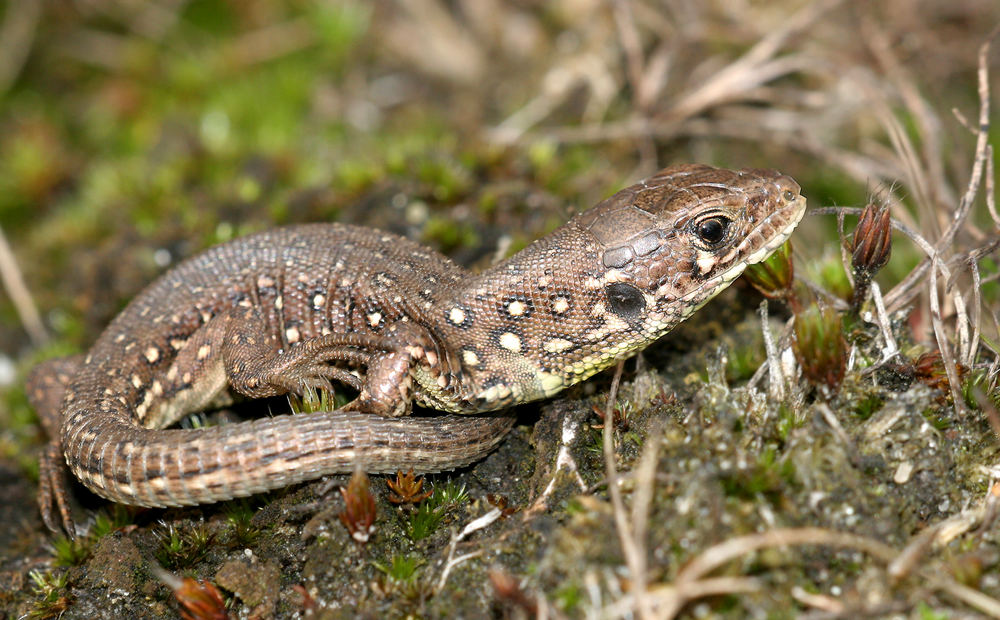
(295, 308)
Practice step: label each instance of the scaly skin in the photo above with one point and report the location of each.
(294, 308)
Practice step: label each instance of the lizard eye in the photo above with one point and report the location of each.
(788, 195)
(625, 300)
(712, 230)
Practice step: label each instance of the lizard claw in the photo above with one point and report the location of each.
(52, 492)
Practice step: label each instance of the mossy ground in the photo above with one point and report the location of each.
(136, 135)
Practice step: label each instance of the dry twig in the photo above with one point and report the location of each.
(634, 549)
(10, 274)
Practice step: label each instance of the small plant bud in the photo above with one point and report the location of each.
(199, 600)
(774, 276)
(871, 248)
(406, 489)
(359, 508)
(930, 371)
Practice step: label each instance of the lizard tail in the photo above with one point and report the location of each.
(126, 463)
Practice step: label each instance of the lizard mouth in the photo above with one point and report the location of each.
(775, 229)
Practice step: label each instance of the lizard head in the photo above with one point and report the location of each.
(670, 243)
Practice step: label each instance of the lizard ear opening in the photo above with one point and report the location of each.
(625, 300)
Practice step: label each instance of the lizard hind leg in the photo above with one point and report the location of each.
(46, 387)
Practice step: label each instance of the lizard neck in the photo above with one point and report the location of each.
(518, 330)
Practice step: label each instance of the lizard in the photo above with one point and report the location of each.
(296, 308)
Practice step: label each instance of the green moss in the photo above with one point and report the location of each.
(866, 406)
(423, 522)
(241, 528)
(542, 154)
(341, 27)
(926, 612)
(355, 176)
(402, 568)
(568, 597)
(769, 477)
(830, 275)
(940, 421)
(446, 179)
(71, 551)
(114, 518)
(52, 594)
(788, 420)
(450, 235)
(314, 401)
(744, 360)
(182, 546)
(430, 513)
(978, 384)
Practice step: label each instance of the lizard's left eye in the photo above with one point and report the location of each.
(712, 230)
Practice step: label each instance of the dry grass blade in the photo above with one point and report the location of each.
(429, 35)
(742, 78)
(270, 42)
(775, 377)
(647, 81)
(10, 273)
(991, 204)
(899, 564)
(845, 255)
(944, 346)
(974, 598)
(472, 526)
(633, 549)
(756, 67)
(715, 556)
(929, 183)
(667, 600)
(722, 553)
(905, 290)
(882, 318)
(16, 35)
(644, 85)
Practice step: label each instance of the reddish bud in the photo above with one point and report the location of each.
(929, 369)
(406, 489)
(870, 248)
(200, 600)
(359, 508)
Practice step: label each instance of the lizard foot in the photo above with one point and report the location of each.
(53, 494)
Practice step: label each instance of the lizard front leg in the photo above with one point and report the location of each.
(259, 366)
